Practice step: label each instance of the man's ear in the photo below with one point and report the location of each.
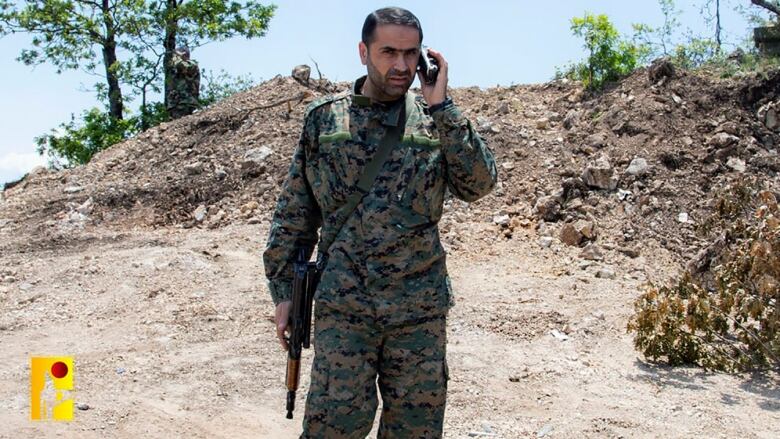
(363, 49)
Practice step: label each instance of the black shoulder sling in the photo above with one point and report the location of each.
(339, 217)
(307, 274)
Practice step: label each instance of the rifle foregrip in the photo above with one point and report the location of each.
(293, 374)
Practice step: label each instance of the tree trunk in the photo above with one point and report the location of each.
(717, 24)
(169, 43)
(144, 110)
(109, 60)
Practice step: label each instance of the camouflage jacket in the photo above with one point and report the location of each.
(387, 261)
(185, 83)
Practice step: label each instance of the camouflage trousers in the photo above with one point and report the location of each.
(353, 356)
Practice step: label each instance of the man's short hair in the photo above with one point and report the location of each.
(397, 16)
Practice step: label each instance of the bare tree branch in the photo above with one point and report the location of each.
(766, 5)
(298, 98)
(316, 66)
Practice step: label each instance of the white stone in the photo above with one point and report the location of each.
(638, 167)
(605, 273)
(722, 140)
(736, 164)
(200, 213)
(501, 220)
(258, 154)
(599, 174)
(86, 207)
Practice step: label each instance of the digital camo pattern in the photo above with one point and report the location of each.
(350, 351)
(185, 87)
(382, 300)
(387, 262)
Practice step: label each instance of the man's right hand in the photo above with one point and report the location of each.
(283, 322)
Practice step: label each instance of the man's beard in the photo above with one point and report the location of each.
(388, 91)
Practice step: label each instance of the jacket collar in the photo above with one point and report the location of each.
(388, 115)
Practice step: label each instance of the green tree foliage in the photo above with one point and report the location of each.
(193, 23)
(131, 42)
(670, 25)
(217, 86)
(736, 326)
(73, 34)
(610, 56)
(75, 143)
(696, 53)
(88, 34)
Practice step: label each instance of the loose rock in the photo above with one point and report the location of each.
(599, 174)
(661, 68)
(301, 73)
(722, 140)
(254, 160)
(575, 233)
(605, 273)
(736, 164)
(592, 252)
(638, 167)
(193, 168)
(200, 213)
(548, 208)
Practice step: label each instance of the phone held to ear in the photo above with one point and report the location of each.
(428, 67)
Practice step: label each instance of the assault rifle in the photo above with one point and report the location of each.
(304, 283)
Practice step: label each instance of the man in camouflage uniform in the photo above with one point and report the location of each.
(382, 301)
(184, 91)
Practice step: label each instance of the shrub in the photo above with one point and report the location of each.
(696, 53)
(610, 57)
(218, 86)
(75, 144)
(734, 326)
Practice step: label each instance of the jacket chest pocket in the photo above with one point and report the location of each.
(422, 182)
(339, 161)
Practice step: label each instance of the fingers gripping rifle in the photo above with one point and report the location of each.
(304, 284)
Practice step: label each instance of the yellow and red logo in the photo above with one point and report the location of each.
(51, 384)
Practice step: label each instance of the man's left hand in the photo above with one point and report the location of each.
(435, 93)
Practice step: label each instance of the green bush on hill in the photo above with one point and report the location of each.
(610, 56)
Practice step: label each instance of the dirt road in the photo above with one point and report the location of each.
(171, 336)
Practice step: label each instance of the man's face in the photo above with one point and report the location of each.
(391, 59)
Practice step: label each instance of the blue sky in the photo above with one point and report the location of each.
(486, 43)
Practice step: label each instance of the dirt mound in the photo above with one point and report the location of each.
(634, 164)
(173, 332)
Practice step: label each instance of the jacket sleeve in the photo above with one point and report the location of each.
(471, 168)
(295, 222)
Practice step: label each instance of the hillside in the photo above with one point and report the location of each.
(695, 135)
(145, 264)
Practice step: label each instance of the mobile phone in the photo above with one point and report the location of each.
(428, 67)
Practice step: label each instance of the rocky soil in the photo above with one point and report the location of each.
(145, 265)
